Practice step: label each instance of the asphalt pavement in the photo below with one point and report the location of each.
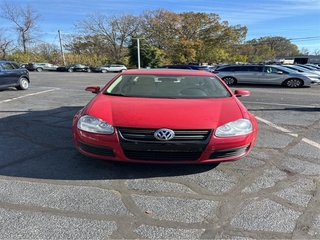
(48, 190)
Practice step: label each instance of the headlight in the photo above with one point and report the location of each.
(94, 125)
(236, 128)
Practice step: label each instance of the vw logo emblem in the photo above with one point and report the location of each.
(164, 134)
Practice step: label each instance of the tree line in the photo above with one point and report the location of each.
(164, 37)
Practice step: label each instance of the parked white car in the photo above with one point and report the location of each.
(109, 68)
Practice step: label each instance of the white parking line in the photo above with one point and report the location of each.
(283, 104)
(28, 95)
(306, 140)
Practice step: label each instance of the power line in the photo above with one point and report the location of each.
(305, 39)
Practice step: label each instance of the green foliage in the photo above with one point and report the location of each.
(20, 57)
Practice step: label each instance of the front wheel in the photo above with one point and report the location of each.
(70, 70)
(39, 69)
(293, 83)
(88, 70)
(23, 84)
(229, 80)
(104, 70)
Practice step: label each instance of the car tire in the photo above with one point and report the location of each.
(88, 70)
(23, 84)
(230, 80)
(104, 71)
(39, 69)
(70, 70)
(293, 83)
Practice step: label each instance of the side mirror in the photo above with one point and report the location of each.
(241, 93)
(93, 89)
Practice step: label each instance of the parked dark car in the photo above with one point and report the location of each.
(12, 75)
(180, 66)
(187, 66)
(74, 68)
(39, 67)
(205, 68)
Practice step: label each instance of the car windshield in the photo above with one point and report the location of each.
(167, 86)
(280, 68)
(297, 68)
(308, 67)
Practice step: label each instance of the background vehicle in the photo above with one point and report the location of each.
(261, 74)
(12, 75)
(109, 68)
(179, 66)
(314, 76)
(187, 66)
(313, 65)
(205, 68)
(39, 67)
(311, 68)
(74, 68)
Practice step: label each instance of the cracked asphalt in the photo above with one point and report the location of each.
(50, 191)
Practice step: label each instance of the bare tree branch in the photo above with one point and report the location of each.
(25, 20)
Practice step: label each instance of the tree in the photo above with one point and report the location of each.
(304, 51)
(150, 56)
(280, 46)
(25, 21)
(48, 52)
(115, 31)
(316, 52)
(208, 33)
(159, 27)
(5, 44)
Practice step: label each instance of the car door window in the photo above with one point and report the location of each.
(255, 69)
(8, 66)
(270, 70)
(244, 68)
(15, 65)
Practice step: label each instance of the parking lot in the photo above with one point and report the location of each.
(50, 191)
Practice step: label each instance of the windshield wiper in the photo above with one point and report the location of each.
(115, 94)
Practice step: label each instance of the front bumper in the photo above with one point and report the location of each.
(117, 147)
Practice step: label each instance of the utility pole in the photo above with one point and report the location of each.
(61, 48)
(138, 48)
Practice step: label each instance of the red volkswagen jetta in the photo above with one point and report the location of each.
(165, 116)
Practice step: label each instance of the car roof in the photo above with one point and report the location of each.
(165, 71)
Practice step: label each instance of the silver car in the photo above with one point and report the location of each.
(39, 67)
(109, 68)
(314, 76)
(262, 74)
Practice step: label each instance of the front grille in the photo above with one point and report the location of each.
(98, 150)
(226, 153)
(140, 134)
(140, 144)
(162, 156)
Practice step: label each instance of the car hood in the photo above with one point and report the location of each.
(169, 113)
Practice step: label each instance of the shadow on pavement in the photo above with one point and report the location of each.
(38, 144)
